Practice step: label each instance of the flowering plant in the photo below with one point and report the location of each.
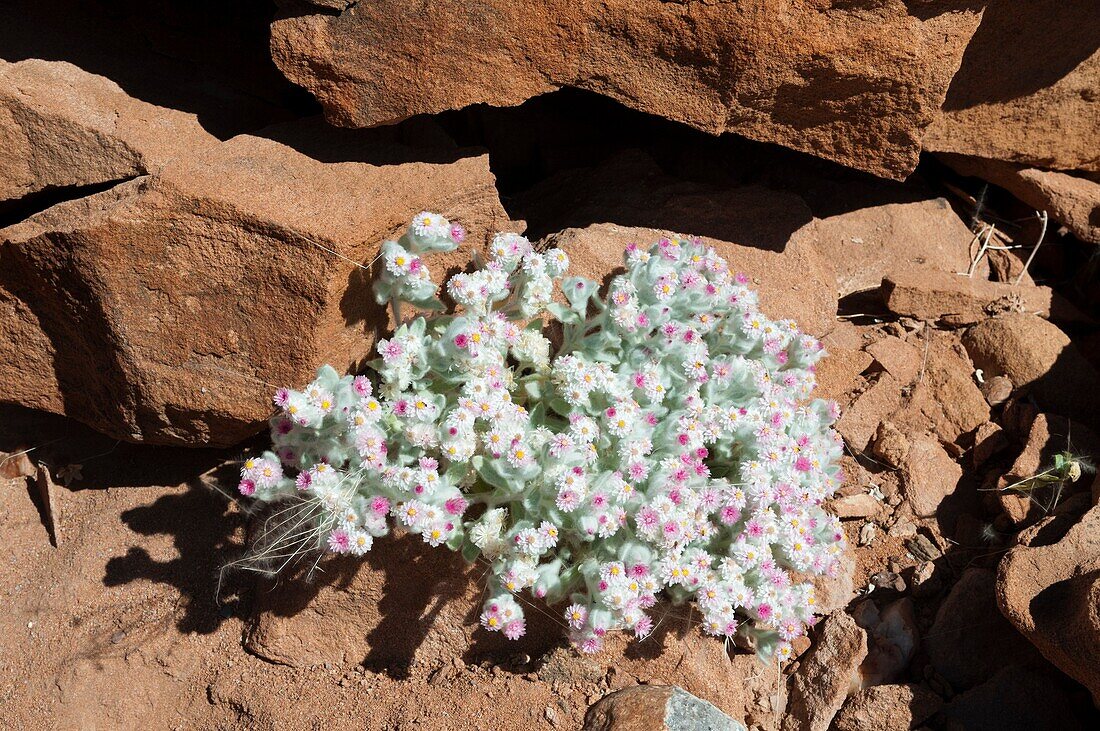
(666, 444)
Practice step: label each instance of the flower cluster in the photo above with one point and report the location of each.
(665, 443)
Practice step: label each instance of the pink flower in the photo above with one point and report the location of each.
(247, 488)
(304, 480)
(458, 233)
(362, 386)
(461, 340)
(515, 629)
(379, 505)
(282, 397)
(339, 541)
(803, 464)
(456, 505)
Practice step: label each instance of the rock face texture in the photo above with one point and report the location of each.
(868, 244)
(167, 308)
(888, 708)
(1051, 594)
(63, 127)
(1026, 91)
(853, 82)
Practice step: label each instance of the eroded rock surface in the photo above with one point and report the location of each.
(857, 83)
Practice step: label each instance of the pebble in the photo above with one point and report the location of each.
(867, 534)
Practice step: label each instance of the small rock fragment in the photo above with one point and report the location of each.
(860, 505)
(929, 475)
(867, 534)
(997, 389)
(891, 446)
(988, 441)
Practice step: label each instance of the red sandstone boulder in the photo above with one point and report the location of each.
(857, 84)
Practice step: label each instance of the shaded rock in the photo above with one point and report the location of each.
(656, 708)
(888, 708)
(1039, 358)
(1070, 200)
(1051, 594)
(892, 639)
(860, 420)
(826, 674)
(997, 389)
(869, 244)
(63, 127)
(855, 85)
(900, 359)
(928, 475)
(929, 294)
(168, 308)
(989, 440)
(1026, 88)
(1016, 698)
(970, 640)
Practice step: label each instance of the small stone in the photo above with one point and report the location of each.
(902, 529)
(922, 548)
(891, 446)
(888, 580)
(860, 505)
(867, 534)
(888, 708)
(997, 390)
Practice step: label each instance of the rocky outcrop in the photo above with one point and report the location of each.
(1026, 91)
(167, 308)
(1051, 594)
(856, 83)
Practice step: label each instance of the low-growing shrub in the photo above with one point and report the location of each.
(666, 444)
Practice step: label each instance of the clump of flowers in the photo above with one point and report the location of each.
(666, 445)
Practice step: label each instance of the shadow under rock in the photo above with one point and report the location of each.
(203, 524)
(207, 57)
(632, 190)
